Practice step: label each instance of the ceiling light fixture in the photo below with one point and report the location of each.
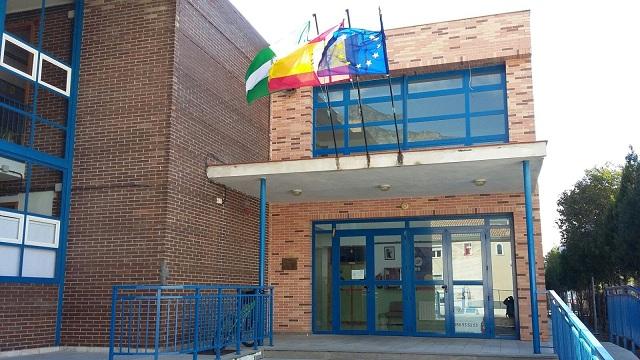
(479, 182)
(384, 187)
(296, 192)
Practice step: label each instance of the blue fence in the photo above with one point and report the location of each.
(623, 313)
(571, 339)
(158, 320)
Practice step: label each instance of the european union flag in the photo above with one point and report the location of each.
(352, 51)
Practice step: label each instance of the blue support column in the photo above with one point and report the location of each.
(263, 228)
(535, 326)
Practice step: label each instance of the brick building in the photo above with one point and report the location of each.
(129, 156)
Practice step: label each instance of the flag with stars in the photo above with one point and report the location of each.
(352, 51)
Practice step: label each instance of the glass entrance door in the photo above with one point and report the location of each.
(353, 283)
(430, 287)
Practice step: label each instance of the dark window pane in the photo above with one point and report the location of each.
(375, 112)
(488, 125)
(374, 91)
(322, 281)
(324, 139)
(443, 83)
(12, 184)
(322, 116)
(334, 95)
(376, 135)
(485, 79)
(486, 100)
(45, 191)
(18, 58)
(437, 130)
(437, 105)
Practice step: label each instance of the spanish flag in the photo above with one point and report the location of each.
(300, 68)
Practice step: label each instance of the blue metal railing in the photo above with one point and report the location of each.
(159, 320)
(623, 314)
(571, 339)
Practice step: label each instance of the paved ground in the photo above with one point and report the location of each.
(617, 352)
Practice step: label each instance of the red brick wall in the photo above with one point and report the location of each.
(290, 234)
(27, 315)
(211, 122)
(118, 220)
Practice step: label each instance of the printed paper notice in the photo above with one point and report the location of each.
(357, 274)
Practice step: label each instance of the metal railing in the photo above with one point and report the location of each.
(571, 339)
(13, 119)
(623, 314)
(159, 320)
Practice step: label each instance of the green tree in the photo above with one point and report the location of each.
(627, 218)
(553, 272)
(587, 250)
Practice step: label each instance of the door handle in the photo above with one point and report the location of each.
(444, 287)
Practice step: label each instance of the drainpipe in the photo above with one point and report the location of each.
(535, 326)
(263, 229)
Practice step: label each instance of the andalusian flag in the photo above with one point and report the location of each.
(257, 75)
(300, 68)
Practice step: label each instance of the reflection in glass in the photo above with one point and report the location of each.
(466, 256)
(12, 184)
(376, 135)
(389, 308)
(324, 139)
(353, 307)
(370, 91)
(437, 130)
(486, 100)
(436, 105)
(370, 225)
(502, 273)
(488, 125)
(442, 83)
(427, 260)
(430, 309)
(322, 116)
(372, 112)
(485, 79)
(322, 281)
(468, 304)
(353, 262)
(388, 257)
(44, 196)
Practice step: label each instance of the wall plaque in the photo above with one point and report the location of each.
(289, 263)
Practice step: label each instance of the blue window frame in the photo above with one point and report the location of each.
(464, 107)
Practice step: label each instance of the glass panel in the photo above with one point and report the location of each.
(45, 191)
(374, 91)
(39, 263)
(389, 308)
(353, 307)
(486, 100)
(52, 107)
(488, 125)
(323, 227)
(427, 262)
(9, 260)
(468, 302)
(502, 274)
(334, 95)
(10, 228)
(372, 112)
(388, 257)
(434, 106)
(353, 260)
(22, 20)
(447, 222)
(18, 58)
(376, 135)
(485, 79)
(42, 232)
(322, 116)
(499, 221)
(437, 130)
(14, 92)
(443, 83)
(58, 29)
(466, 256)
(49, 139)
(324, 139)
(370, 225)
(430, 309)
(12, 184)
(322, 281)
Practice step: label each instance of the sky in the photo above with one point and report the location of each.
(585, 72)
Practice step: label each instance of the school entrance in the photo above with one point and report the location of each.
(440, 276)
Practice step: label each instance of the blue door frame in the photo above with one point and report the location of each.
(408, 281)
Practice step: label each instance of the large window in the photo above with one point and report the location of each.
(455, 108)
(30, 199)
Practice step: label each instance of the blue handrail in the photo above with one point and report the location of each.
(623, 314)
(157, 320)
(571, 339)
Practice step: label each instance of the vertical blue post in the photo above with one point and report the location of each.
(196, 330)
(112, 330)
(263, 228)
(535, 326)
(156, 338)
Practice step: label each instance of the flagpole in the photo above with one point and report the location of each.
(326, 93)
(393, 106)
(364, 131)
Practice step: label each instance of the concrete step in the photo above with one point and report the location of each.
(341, 355)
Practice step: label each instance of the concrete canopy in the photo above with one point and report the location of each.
(431, 172)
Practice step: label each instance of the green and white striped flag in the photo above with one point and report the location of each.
(257, 77)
